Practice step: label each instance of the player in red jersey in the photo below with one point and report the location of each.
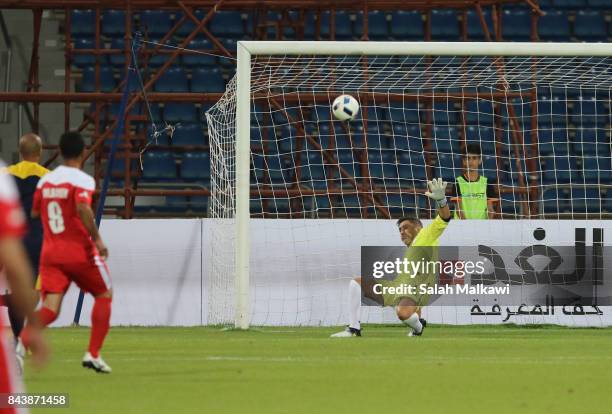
(73, 250)
(19, 275)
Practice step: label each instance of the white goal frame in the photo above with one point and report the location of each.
(246, 49)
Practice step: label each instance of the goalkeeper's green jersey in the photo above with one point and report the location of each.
(423, 248)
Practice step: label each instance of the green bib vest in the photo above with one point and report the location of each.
(473, 198)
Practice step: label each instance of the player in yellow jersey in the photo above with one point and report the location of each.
(419, 241)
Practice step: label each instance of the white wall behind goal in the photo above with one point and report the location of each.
(300, 269)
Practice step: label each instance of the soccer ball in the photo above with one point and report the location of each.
(345, 107)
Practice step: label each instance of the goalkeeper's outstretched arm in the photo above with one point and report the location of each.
(437, 192)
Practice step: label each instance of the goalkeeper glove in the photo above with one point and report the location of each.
(437, 191)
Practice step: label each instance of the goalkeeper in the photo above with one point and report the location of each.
(420, 241)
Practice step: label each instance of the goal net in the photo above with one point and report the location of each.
(296, 193)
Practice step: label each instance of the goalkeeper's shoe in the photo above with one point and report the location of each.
(411, 332)
(97, 364)
(347, 333)
(20, 354)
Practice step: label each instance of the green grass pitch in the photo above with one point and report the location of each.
(455, 370)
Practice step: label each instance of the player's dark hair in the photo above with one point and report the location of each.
(473, 148)
(412, 219)
(71, 145)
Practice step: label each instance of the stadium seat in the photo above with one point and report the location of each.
(479, 112)
(188, 26)
(551, 112)
(586, 200)
(227, 24)
(195, 166)
(175, 204)
(590, 25)
(597, 170)
(569, 4)
(83, 23)
(444, 24)
(344, 26)
(117, 60)
(378, 25)
(553, 141)
(474, 27)
(444, 113)
(445, 140)
(448, 167)
(554, 25)
(556, 200)
(82, 60)
(588, 111)
(406, 139)
(156, 22)
(407, 25)
(560, 169)
(516, 24)
(180, 112)
(483, 135)
(158, 166)
(209, 80)
(411, 172)
(88, 82)
(158, 59)
(408, 114)
(113, 23)
(174, 79)
(188, 135)
(591, 141)
(599, 4)
(198, 204)
(198, 60)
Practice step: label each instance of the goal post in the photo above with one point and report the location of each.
(302, 68)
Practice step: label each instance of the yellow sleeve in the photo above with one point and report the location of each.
(429, 235)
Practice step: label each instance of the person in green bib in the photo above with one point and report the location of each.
(472, 189)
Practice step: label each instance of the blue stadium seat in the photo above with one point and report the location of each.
(474, 27)
(82, 60)
(516, 24)
(448, 167)
(553, 141)
(158, 166)
(590, 25)
(198, 203)
(188, 26)
(444, 24)
(490, 167)
(113, 23)
(597, 170)
(599, 4)
(196, 166)
(554, 25)
(88, 82)
(378, 27)
(180, 112)
(117, 60)
(556, 200)
(588, 111)
(227, 24)
(586, 200)
(384, 175)
(480, 112)
(406, 138)
(591, 141)
(158, 59)
(407, 25)
(174, 79)
(320, 113)
(209, 80)
(188, 135)
(570, 4)
(175, 204)
(561, 169)
(551, 112)
(198, 60)
(156, 22)
(444, 113)
(445, 140)
(483, 135)
(83, 23)
(344, 26)
(410, 174)
(409, 114)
